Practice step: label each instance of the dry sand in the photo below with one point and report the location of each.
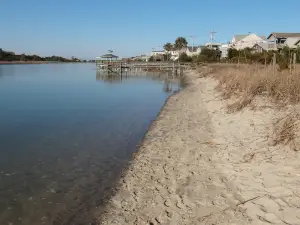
(200, 165)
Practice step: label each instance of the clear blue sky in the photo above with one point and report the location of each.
(130, 27)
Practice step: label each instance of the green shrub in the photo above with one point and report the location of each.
(185, 58)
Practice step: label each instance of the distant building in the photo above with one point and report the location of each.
(193, 50)
(261, 47)
(158, 52)
(243, 41)
(281, 40)
(189, 50)
(144, 58)
(291, 42)
(224, 50)
(213, 45)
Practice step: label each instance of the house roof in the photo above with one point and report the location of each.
(239, 37)
(242, 36)
(291, 42)
(266, 46)
(109, 56)
(263, 37)
(213, 44)
(297, 42)
(284, 35)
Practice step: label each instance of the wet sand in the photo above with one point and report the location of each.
(200, 165)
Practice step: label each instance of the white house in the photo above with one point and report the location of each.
(261, 47)
(158, 53)
(193, 50)
(224, 50)
(213, 45)
(142, 58)
(246, 41)
(284, 39)
(291, 42)
(174, 53)
(281, 38)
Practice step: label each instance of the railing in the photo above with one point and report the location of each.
(143, 64)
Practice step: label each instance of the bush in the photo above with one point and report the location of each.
(208, 55)
(185, 58)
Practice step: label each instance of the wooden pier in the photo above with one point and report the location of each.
(120, 66)
(111, 64)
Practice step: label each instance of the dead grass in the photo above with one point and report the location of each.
(248, 81)
(286, 129)
(205, 71)
(242, 84)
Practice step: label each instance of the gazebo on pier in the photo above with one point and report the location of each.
(108, 62)
(109, 57)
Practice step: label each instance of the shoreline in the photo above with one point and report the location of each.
(127, 206)
(198, 164)
(23, 62)
(32, 62)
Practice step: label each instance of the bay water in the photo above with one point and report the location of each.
(66, 133)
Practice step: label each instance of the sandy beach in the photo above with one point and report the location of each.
(198, 164)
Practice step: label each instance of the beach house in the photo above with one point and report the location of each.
(243, 41)
(284, 39)
(193, 50)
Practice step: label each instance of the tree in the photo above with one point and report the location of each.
(36, 58)
(232, 53)
(185, 58)
(151, 59)
(168, 48)
(180, 43)
(298, 55)
(1, 53)
(22, 57)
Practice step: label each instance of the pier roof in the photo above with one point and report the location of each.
(109, 56)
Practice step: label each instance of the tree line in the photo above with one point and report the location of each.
(284, 57)
(11, 56)
(180, 45)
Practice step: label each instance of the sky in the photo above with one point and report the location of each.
(89, 28)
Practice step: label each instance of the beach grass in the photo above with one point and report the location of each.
(241, 84)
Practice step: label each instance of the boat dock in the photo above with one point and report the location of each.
(120, 66)
(111, 64)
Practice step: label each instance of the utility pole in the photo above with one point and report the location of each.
(153, 54)
(193, 40)
(212, 37)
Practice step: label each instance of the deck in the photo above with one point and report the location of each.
(120, 66)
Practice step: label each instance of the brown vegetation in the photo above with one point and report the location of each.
(242, 84)
(245, 82)
(285, 129)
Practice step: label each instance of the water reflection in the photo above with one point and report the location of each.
(110, 78)
(169, 81)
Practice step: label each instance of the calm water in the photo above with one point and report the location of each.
(65, 134)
